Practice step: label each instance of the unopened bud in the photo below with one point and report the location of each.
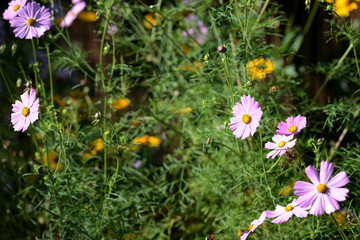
(273, 89)
(13, 48)
(207, 57)
(209, 141)
(97, 115)
(226, 124)
(250, 83)
(221, 49)
(307, 2)
(28, 84)
(18, 82)
(106, 48)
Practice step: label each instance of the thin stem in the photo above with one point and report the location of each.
(50, 73)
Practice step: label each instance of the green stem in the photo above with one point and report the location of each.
(50, 73)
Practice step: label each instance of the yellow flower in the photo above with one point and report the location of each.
(259, 67)
(183, 111)
(191, 67)
(98, 145)
(150, 20)
(141, 140)
(53, 156)
(341, 218)
(145, 141)
(154, 141)
(120, 103)
(287, 189)
(344, 7)
(87, 16)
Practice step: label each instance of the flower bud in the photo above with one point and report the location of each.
(273, 89)
(97, 116)
(207, 57)
(221, 49)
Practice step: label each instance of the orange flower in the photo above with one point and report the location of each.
(259, 67)
(151, 20)
(120, 104)
(53, 163)
(87, 16)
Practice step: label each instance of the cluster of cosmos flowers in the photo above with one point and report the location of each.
(316, 198)
(247, 116)
(30, 20)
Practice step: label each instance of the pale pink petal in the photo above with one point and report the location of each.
(300, 212)
(326, 170)
(25, 98)
(270, 145)
(34, 116)
(272, 154)
(258, 221)
(331, 205)
(278, 211)
(307, 199)
(318, 208)
(338, 194)
(246, 132)
(312, 174)
(290, 144)
(282, 218)
(302, 188)
(18, 126)
(26, 123)
(339, 180)
(253, 126)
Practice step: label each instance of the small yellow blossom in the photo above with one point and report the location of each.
(141, 140)
(87, 16)
(150, 20)
(287, 189)
(53, 156)
(154, 141)
(145, 141)
(259, 67)
(98, 145)
(344, 7)
(120, 103)
(194, 67)
(183, 111)
(342, 219)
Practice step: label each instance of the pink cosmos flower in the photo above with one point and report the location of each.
(254, 224)
(322, 194)
(247, 117)
(281, 145)
(293, 125)
(13, 9)
(283, 214)
(72, 14)
(32, 21)
(26, 111)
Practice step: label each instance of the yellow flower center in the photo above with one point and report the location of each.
(289, 208)
(281, 144)
(31, 22)
(246, 118)
(25, 111)
(251, 226)
(17, 6)
(292, 129)
(321, 188)
(240, 233)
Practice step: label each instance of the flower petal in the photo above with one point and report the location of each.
(312, 174)
(282, 218)
(339, 180)
(326, 170)
(339, 194)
